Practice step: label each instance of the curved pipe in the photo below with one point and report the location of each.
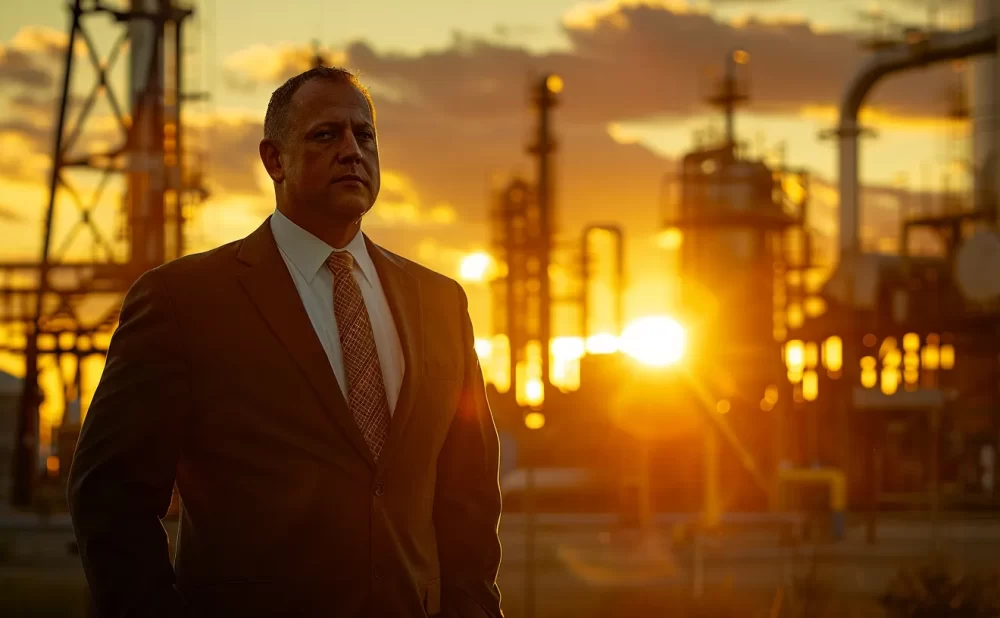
(978, 40)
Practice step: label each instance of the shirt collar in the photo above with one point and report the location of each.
(308, 253)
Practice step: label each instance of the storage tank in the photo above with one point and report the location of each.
(728, 213)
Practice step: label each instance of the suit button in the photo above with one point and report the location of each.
(379, 489)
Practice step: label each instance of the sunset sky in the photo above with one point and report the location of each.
(450, 79)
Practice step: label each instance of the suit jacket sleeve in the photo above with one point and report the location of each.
(467, 500)
(122, 475)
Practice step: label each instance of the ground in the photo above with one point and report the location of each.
(584, 567)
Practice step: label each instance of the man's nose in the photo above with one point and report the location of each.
(350, 150)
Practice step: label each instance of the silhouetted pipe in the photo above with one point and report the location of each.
(919, 51)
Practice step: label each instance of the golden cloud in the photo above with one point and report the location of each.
(622, 135)
(31, 58)
(40, 39)
(881, 119)
(589, 15)
(399, 203)
(19, 158)
(20, 229)
(276, 62)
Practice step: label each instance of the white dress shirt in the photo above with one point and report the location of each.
(305, 255)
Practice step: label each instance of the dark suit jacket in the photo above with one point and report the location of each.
(215, 379)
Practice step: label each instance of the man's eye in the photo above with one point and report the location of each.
(324, 134)
(367, 135)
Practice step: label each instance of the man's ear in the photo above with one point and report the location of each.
(269, 156)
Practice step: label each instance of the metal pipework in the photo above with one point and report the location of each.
(919, 50)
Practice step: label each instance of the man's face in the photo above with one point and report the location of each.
(329, 156)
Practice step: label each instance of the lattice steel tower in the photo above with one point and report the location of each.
(66, 304)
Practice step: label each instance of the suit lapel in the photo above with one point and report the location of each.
(271, 288)
(402, 291)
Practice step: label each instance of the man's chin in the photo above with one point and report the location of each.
(349, 210)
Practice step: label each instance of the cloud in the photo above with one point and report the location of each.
(24, 150)
(227, 142)
(9, 214)
(48, 42)
(31, 59)
(642, 60)
(627, 60)
(399, 202)
(19, 68)
(29, 96)
(41, 107)
(873, 116)
(590, 15)
(273, 64)
(26, 143)
(654, 60)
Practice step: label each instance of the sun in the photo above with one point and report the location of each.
(657, 341)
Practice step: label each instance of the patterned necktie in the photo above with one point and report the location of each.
(366, 390)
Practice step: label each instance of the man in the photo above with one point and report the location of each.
(316, 398)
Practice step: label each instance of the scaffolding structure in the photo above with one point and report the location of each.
(66, 303)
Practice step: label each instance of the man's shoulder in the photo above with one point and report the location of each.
(185, 275)
(430, 280)
(202, 262)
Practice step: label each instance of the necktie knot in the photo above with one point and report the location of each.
(340, 262)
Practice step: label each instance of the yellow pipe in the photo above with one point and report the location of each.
(833, 477)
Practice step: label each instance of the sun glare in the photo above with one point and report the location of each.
(602, 343)
(657, 341)
(474, 267)
(484, 348)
